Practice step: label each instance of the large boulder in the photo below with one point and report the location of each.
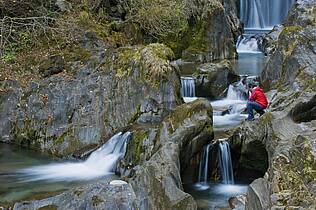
(168, 150)
(63, 113)
(258, 195)
(214, 78)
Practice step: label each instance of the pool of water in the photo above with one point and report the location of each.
(250, 64)
(17, 187)
(214, 196)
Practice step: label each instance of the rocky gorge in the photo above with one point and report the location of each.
(124, 80)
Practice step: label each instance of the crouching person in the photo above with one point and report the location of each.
(257, 101)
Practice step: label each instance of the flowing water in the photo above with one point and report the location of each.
(210, 194)
(188, 87)
(25, 173)
(225, 163)
(264, 13)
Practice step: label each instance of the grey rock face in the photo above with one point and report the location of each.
(267, 43)
(290, 178)
(294, 58)
(157, 182)
(62, 114)
(214, 78)
(214, 37)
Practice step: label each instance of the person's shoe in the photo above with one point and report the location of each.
(262, 112)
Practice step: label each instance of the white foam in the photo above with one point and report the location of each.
(100, 163)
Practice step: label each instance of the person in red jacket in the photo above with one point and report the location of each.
(257, 101)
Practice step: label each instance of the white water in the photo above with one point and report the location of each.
(225, 162)
(262, 14)
(187, 87)
(189, 99)
(204, 164)
(235, 102)
(100, 163)
(247, 45)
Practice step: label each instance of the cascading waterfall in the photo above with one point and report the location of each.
(247, 44)
(260, 14)
(188, 87)
(259, 17)
(100, 163)
(225, 163)
(204, 163)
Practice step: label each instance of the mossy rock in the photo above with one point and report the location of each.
(185, 111)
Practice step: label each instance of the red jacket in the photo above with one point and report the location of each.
(257, 95)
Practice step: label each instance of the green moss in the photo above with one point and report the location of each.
(289, 30)
(136, 145)
(186, 111)
(127, 59)
(78, 192)
(299, 172)
(96, 200)
(27, 135)
(136, 115)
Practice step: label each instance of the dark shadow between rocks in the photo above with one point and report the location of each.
(250, 161)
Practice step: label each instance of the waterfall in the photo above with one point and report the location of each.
(225, 163)
(237, 91)
(264, 13)
(188, 87)
(247, 44)
(204, 163)
(101, 162)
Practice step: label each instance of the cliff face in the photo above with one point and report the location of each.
(115, 89)
(213, 34)
(293, 61)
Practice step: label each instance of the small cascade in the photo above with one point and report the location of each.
(204, 163)
(260, 14)
(237, 91)
(101, 162)
(188, 87)
(225, 163)
(247, 45)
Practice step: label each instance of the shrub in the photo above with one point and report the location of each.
(158, 18)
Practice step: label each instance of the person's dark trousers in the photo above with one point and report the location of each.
(254, 106)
